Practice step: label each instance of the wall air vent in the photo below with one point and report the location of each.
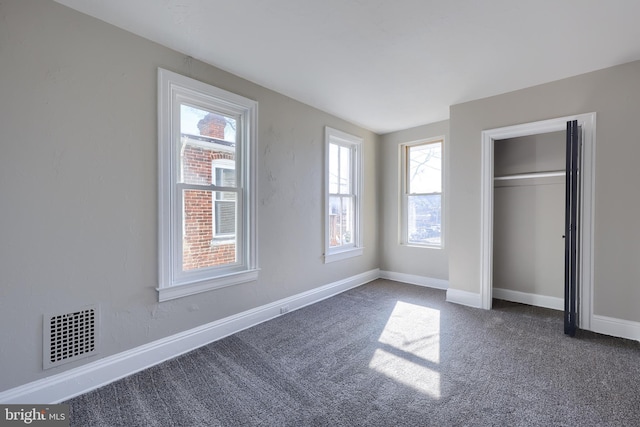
(70, 336)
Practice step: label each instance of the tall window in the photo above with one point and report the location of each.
(422, 193)
(207, 187)
(343, 203)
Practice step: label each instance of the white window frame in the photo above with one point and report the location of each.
(174, 90)
(404, 192)
(355, 144)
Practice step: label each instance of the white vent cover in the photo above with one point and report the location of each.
(70, 336)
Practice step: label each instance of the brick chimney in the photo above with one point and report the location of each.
(212, 125)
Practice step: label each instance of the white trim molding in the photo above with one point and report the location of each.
(616, 327)
(405, 192)
(63, 386)
(355, 146)
(470, 299)
(413, 279)
(545, 301)
(587, 122)
(175, 281)
(60, 387)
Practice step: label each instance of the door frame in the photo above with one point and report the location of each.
(587, 124)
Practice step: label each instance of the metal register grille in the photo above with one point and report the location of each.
(70, 336)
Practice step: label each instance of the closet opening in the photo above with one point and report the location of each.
(529, 219)
(523, 234)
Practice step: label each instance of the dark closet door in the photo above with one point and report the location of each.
(572, 229)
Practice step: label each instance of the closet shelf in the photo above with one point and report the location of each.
(530, 175)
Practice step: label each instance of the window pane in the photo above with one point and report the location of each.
(425, 168)
(200, 248)
(334, 221)
(197, 121)
(334, 168)
(424, 219)
(345, 170)
(341, 221)
(225, 177)
(204, 136)
(348, 221)
(224, 214)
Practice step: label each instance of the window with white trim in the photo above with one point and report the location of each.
(421, 205)
(207, 236)
(343, 195)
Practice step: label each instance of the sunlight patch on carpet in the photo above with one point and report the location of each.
(409, 350)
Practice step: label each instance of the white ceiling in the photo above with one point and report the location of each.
(387, 64)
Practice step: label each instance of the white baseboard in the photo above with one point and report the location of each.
(73, 382)
(530, 299)
(412, 279)
(470, 299)
(599, 324)
(63, 386)
(616, 327)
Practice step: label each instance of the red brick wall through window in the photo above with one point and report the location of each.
(200, 249)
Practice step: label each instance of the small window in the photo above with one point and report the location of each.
(224, 213)
(207, 187)
(421, 219)
(343, 232)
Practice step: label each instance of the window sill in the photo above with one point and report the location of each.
(343, 254)
(222, 242)
(179, 291)
(416, 245)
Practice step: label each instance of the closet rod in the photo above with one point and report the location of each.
(530, 175)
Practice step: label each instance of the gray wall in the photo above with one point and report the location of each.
(528, 248)
(78, 182)
(613, 93)
(427, 262)
(534, 153)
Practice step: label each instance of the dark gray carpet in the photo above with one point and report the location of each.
(385, 354)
